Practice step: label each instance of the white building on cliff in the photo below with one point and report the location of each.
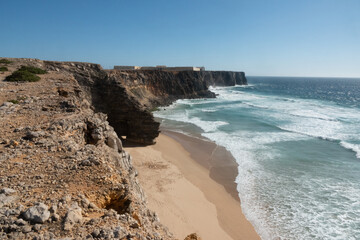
(161, 68)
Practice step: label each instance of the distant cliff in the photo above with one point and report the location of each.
(159, 88)
(224, 78)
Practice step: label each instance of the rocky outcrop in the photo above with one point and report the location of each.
(107, 94)
(127, 97)
(63, 172)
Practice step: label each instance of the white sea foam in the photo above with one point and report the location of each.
(308, 117)
(207, 126)
(309, 113)
(184, 116)
(208, 110)
(353, 147)
(293, 199)
(250, 149)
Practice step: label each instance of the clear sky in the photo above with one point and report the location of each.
(260, 37)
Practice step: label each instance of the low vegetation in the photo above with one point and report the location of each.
(22, 76)
(3, 69)
(5, 61)
(17, 100)
(25, 74)
(14, 101)
(33, 70)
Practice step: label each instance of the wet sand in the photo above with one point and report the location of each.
(189, 183)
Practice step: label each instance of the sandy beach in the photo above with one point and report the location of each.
(189, 183)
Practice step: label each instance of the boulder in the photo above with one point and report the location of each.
(114, 142)
(37, 214)
(73, 216)
(6, 196)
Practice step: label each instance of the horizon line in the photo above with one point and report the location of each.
(352, 77)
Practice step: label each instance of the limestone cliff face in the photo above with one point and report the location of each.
(127, 97)
(159, 88)
(224, 78)
(108, 94)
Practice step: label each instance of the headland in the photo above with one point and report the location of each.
(64, 171)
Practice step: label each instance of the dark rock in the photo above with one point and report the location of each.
(68, 106)
(193, 236)
(96, 233)
(31, 135)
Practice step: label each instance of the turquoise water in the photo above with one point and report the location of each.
(297, 143)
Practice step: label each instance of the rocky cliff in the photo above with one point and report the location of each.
(107, 94)
(224, 78)
(63, 171)
(127, 97)
(159, 88)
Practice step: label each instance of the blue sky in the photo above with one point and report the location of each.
(260, 37)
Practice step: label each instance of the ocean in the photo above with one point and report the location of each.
(297, 143)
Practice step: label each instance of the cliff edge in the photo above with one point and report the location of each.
(63, 170)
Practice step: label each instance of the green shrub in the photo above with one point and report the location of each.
(5, 61)
(3, 69)
(14, 101)
(25, 74)
(22, 76)
(34, 70)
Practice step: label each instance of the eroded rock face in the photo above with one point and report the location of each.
(158, 88)
(224, 78)
(108, 94)
(127, 97)
(63, 171)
